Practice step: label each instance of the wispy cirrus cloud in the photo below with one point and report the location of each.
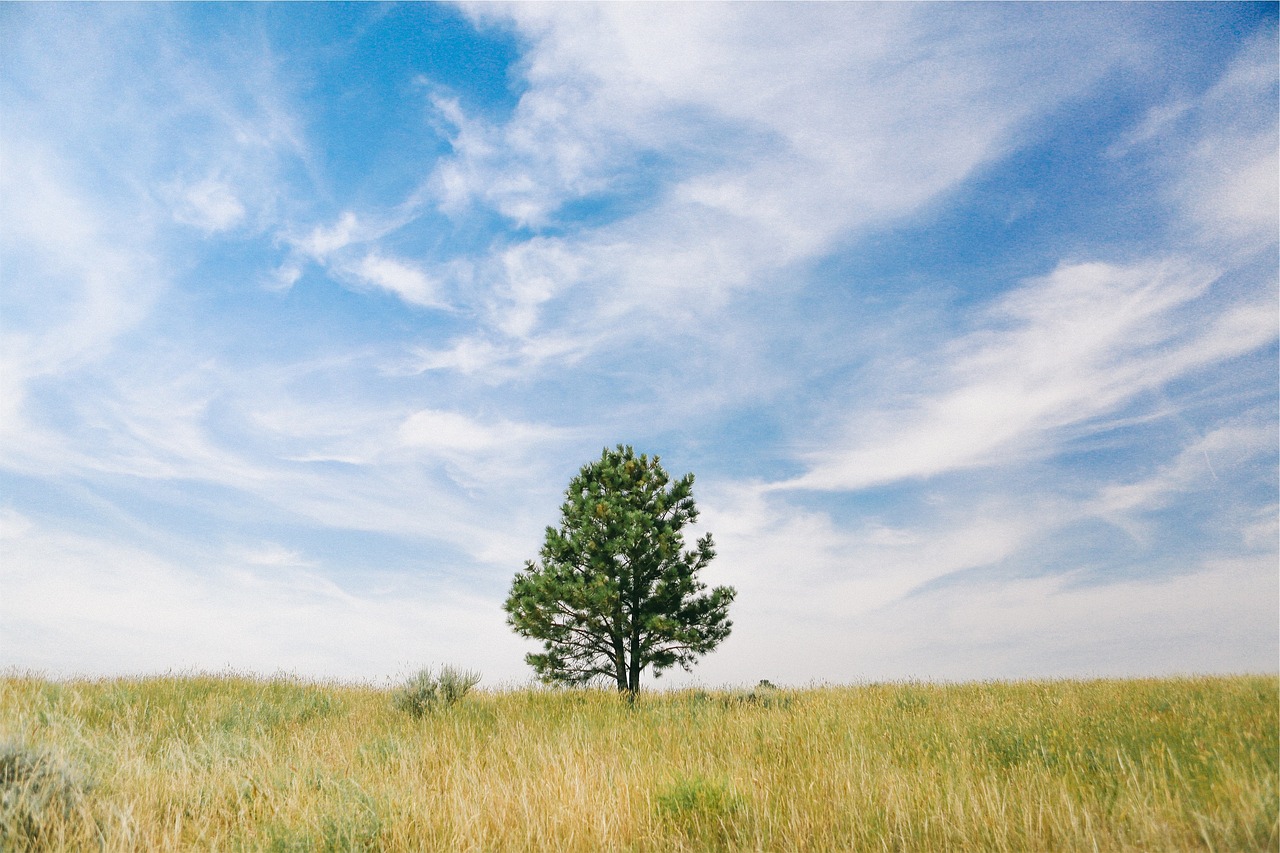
(1227, 448)
(88, 198)
(809, 143)
(209, 204)
(1055, 354)
(452, 432)
(74, 283)
(1224, 175)
(402, 279)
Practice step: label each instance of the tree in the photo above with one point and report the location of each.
(615, 591)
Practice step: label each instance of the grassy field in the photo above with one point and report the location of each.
(228, 763)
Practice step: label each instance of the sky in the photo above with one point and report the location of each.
(964, 317)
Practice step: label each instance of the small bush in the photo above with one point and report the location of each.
(707, 811)
(425, 692)
(37, 797)
(456, 683)
(699, 795)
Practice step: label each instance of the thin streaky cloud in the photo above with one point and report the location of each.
(1061, 351)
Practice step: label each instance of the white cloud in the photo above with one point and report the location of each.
(324, 241)
(91, 146)
(454, 433)
(404, 280)
(818, 125)
(1221, 616)
(74, 280)
(1241, 202)
(172, 429)
(283, 277)
(209, 205)
(332, 247)
(1199, 466)
(859, 95)
(132, 102)
(863, 614)
(1219, 152)
(13, 524)
(936, 593)
(532, 273)
(1159, 120)
(274, 554)
(1058, 352)
(800, 564)
(467, 356)
(81, 606)
(1261, 532)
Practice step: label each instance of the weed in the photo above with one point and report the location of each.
(456, 683)
(424, 692)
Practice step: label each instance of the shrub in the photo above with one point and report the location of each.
(425, 692)
(707, 811)
(456, 683)
(37, 797)
(697, 795)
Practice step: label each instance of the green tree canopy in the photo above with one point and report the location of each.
(614, 591)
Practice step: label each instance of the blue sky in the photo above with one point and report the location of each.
(964, 316)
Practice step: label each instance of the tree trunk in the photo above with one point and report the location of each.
(634, 663)
(633, 676)
(620, 663)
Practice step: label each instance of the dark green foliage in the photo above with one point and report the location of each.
(615, 591)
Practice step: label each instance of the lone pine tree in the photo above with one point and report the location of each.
(614, 591)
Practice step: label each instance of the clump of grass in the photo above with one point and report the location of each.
(424, 692)
(456, 683)
(706, 811)
(351, 823)
(38, 795)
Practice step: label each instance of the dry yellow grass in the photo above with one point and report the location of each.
(228, 763)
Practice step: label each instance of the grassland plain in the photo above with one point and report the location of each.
(233, 763)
